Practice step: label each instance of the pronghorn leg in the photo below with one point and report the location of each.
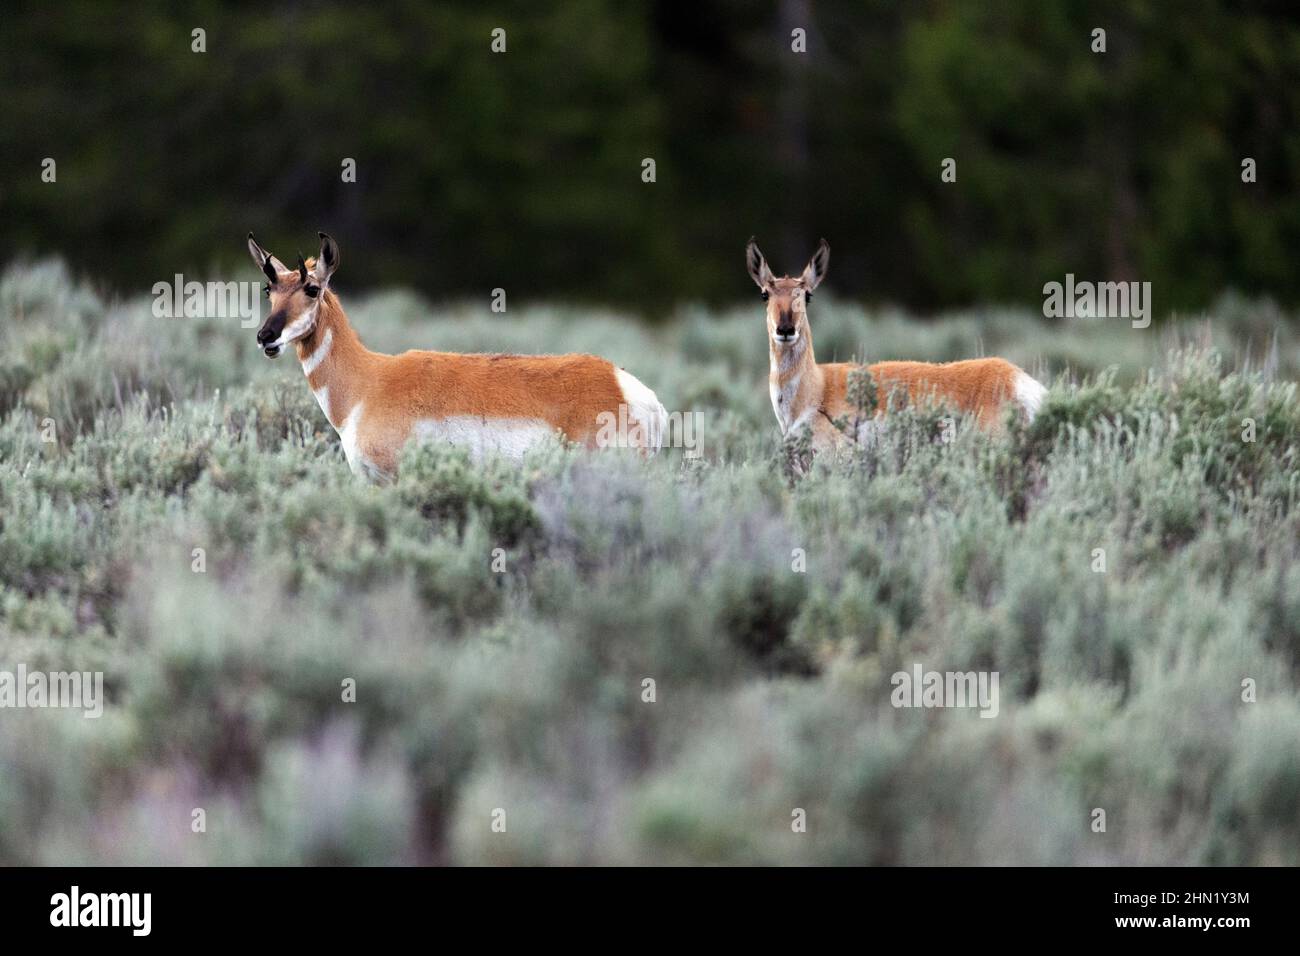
(826, 437)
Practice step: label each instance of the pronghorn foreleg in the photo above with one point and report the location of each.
(827, 436)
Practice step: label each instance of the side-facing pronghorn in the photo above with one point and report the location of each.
(808, 395)
(488, 403)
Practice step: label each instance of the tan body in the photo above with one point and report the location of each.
(502, 404)
(808, 395)
(980, 387)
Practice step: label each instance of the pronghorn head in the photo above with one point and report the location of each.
(787, 297)
(295, 294)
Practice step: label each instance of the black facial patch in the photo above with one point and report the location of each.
(272, 327)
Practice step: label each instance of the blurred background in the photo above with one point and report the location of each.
(523, 169)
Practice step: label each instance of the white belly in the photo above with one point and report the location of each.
(508, 437)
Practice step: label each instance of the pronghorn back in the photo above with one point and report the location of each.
(980, 387)
(505, 404)
(566, 391)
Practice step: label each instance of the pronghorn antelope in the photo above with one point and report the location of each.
(808, 395)
(488, 403)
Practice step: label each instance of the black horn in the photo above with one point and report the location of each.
(302, 268)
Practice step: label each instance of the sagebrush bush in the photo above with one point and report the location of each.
(650, 661)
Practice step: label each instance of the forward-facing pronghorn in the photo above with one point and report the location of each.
(500, 403)
(808, 395)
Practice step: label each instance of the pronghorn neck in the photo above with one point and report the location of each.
(795, 381)
(334, 361)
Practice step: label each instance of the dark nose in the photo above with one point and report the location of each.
(271, 328)
(785, 325)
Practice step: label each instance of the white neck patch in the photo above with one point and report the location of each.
(322, 351)
(789, 355)
(323, 400)
(783, 396)
(788, 362)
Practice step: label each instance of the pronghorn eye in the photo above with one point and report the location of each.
(807, 296)
(267, 289)
(765, 294)
(311, 290)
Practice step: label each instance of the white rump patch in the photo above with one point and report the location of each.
(1029, 393)
(508, 437)
(644, 408)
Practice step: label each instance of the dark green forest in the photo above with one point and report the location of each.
(523, 169)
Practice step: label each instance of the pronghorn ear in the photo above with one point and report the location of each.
(815, 271)
(758, 270)
(328, 259)
(269, 264)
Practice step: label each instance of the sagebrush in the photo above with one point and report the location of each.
(523, 690)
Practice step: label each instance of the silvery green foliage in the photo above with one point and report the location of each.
(1119, 690)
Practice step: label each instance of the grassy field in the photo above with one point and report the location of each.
(522, 691)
